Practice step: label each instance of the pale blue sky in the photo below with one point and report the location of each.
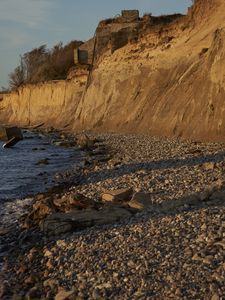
(26, 24)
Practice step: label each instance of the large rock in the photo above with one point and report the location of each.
(75, 201)
(58, 223)
(140, 200)
(7, 133)
(117, 195)
(45, 206)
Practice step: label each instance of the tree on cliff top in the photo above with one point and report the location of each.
(42, 64)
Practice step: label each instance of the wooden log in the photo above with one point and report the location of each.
(11, 142)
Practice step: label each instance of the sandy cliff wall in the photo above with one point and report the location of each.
(172, 82)
(52, 103)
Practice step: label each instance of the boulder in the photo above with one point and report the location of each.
(59, 223)
(46, 206)
(140, 200)
(7, 133)
(120, 195)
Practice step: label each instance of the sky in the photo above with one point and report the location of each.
(26, 24)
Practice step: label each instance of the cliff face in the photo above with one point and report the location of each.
(171, 82)
(52, 103)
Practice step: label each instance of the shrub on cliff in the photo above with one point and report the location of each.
(42, 64)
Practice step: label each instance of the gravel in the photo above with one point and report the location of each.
(174, 254)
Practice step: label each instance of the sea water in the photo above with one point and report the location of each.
(33, 165)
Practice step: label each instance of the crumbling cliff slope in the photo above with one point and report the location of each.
(172, 82)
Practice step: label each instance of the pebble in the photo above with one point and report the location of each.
(171, 254)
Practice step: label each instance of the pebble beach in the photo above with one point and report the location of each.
(172, 253)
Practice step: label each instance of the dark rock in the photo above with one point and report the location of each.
(60, 223)
(140, 200)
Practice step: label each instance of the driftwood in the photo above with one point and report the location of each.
(11, 135)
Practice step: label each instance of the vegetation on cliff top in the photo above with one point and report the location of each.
(42, 64)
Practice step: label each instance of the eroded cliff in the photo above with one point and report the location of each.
(170, 82)
(52, 103)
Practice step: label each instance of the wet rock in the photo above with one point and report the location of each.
(44, 161)
(43, 207)
(120, 195)
(66, 144)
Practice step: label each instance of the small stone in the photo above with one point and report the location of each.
(33, 293)
(29, 280)
(44, 161)
(196, 257)
(64, 295)
(178, 292)
(215, 297)
(117, 195)
(47, 253)
(209, 166)
(50, 283)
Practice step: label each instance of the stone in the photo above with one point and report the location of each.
(4, 231)
(52, 283)
(64, 295)
(140, 200)
(117, 195)
(33, 293)
(65, 144)
(209, 166)
(44, 161)
(42, 208)
(7, 133)
(76, 201)
(59, 223)
(215, 297)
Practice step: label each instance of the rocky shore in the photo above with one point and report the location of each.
(166, 242)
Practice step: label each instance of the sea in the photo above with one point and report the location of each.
(34, 165)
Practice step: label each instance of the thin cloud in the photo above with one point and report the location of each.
(13, 38)
(30, 13)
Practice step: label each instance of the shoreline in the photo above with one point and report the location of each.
(168, 169)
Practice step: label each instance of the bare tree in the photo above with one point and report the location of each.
(17, 77)
(42, 64)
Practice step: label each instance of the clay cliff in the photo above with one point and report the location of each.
(170, 81)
